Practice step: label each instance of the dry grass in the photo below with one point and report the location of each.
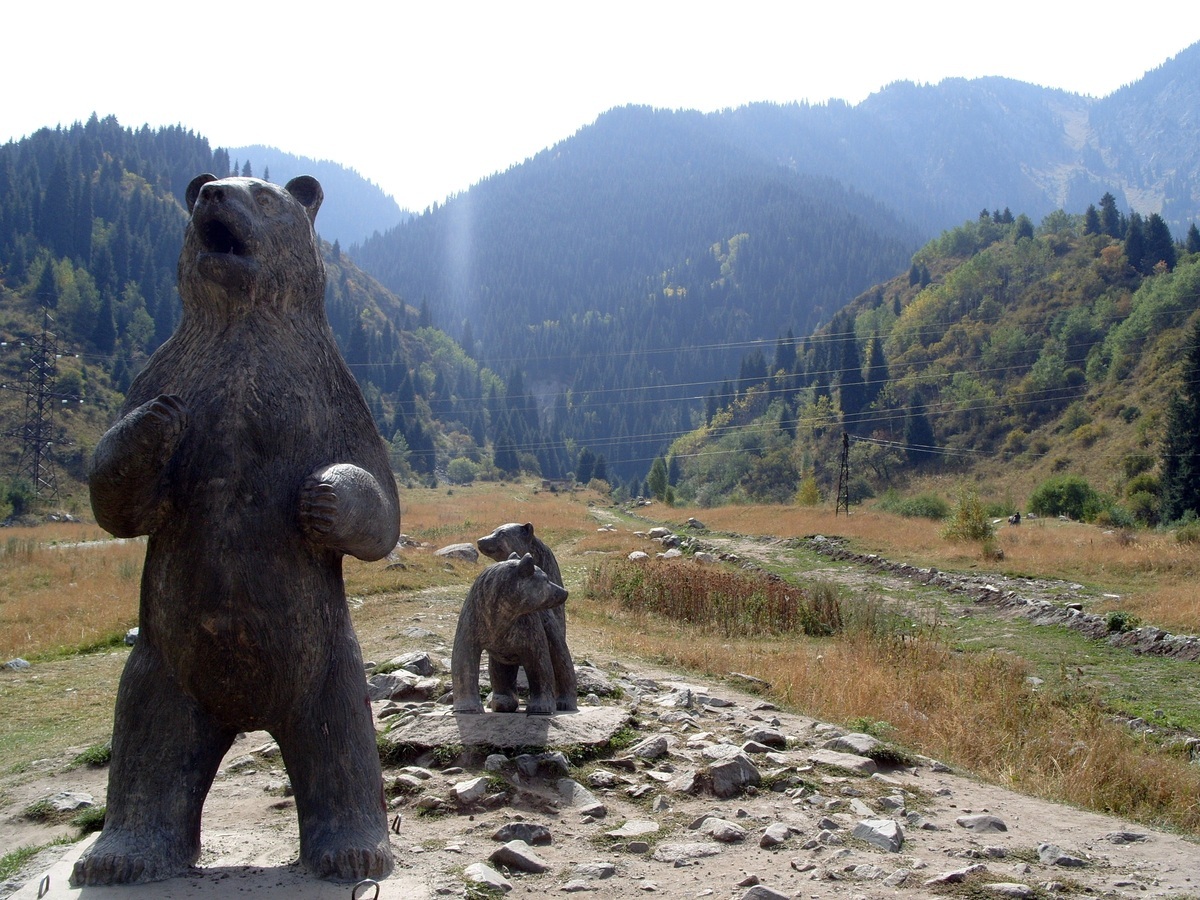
(1153, 573)
(63, 587)
(973, 710)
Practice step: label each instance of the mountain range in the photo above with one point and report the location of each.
(598, 300)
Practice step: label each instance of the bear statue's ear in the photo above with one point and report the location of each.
(308, 191)
(193, 188)
(513, 555)
(528, 527)
(526, 567)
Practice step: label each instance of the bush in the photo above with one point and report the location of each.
(461, 471)
(1065, 495)
(1118, 621)
(921, 506)
(969, 521)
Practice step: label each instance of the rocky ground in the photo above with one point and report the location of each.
(661, 785)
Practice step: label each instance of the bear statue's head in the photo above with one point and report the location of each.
(250, 245)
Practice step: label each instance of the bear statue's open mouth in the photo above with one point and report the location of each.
(217, 237)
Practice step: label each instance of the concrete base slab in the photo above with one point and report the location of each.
(227, 878)
(589, 726)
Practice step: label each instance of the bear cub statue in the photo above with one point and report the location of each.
(245, 451)
(504, 614)
(519, 539)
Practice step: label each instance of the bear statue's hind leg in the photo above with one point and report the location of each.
(166, 751)
(566, 685)
(333, 762)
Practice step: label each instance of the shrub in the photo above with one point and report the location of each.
(969, 521)
(1064, 495)
(1118, 621)
(461, 471)
(1188, 533)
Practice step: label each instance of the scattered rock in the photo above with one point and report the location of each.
(981, 823)
(520, 856)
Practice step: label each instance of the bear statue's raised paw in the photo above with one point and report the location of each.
(319, 507)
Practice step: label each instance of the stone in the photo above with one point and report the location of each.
(244, 431)
(674, 853)
(520, 856)
(856, 742)
(732, 776)
(654, 747)
(762, 892)
(418, 662)
(580, 798)
(506, 613)
(957, 876)
(530, 833)
(775, 835)
(70, 801)
(722, 830)
(861, 765)
(981, 823)
(762, 734)
(634, 828)
(485, 875)
(593, 871)
(1010, 889)
(1052, 855)
(470, 791)
(464, 552)
(886, 834)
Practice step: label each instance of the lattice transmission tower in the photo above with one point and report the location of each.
(36, 433)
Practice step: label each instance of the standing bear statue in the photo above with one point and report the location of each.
(246, 453)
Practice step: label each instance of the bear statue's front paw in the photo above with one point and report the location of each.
(468, 707)
(319, 507)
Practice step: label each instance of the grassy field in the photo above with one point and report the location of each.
(959, 689)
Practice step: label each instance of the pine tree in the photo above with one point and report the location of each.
(1159, 245)
(1180, 458)
(1111, 220)
(1192, 243)
(656, 481)
(918, 433)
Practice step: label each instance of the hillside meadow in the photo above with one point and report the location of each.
(68, 597)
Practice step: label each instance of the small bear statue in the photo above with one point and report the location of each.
(505, 614)
(515, 538)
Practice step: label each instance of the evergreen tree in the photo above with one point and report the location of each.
(852, 390)
(1159, 245)
(600, 472)
(1192, 243)
(504, 455)
(1091, 220)
(104, 336)
(1135, 243)
(656, 481)
(1111, 221)
(1180, 457)
(877, 371)
(785, 353)
(585, 467)
(918, 433)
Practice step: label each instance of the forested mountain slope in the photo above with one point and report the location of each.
(1005, 356)
(91, 223)
(625, 266)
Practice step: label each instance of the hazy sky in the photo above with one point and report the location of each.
(427, 99)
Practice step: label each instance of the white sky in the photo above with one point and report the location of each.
(427, 99)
